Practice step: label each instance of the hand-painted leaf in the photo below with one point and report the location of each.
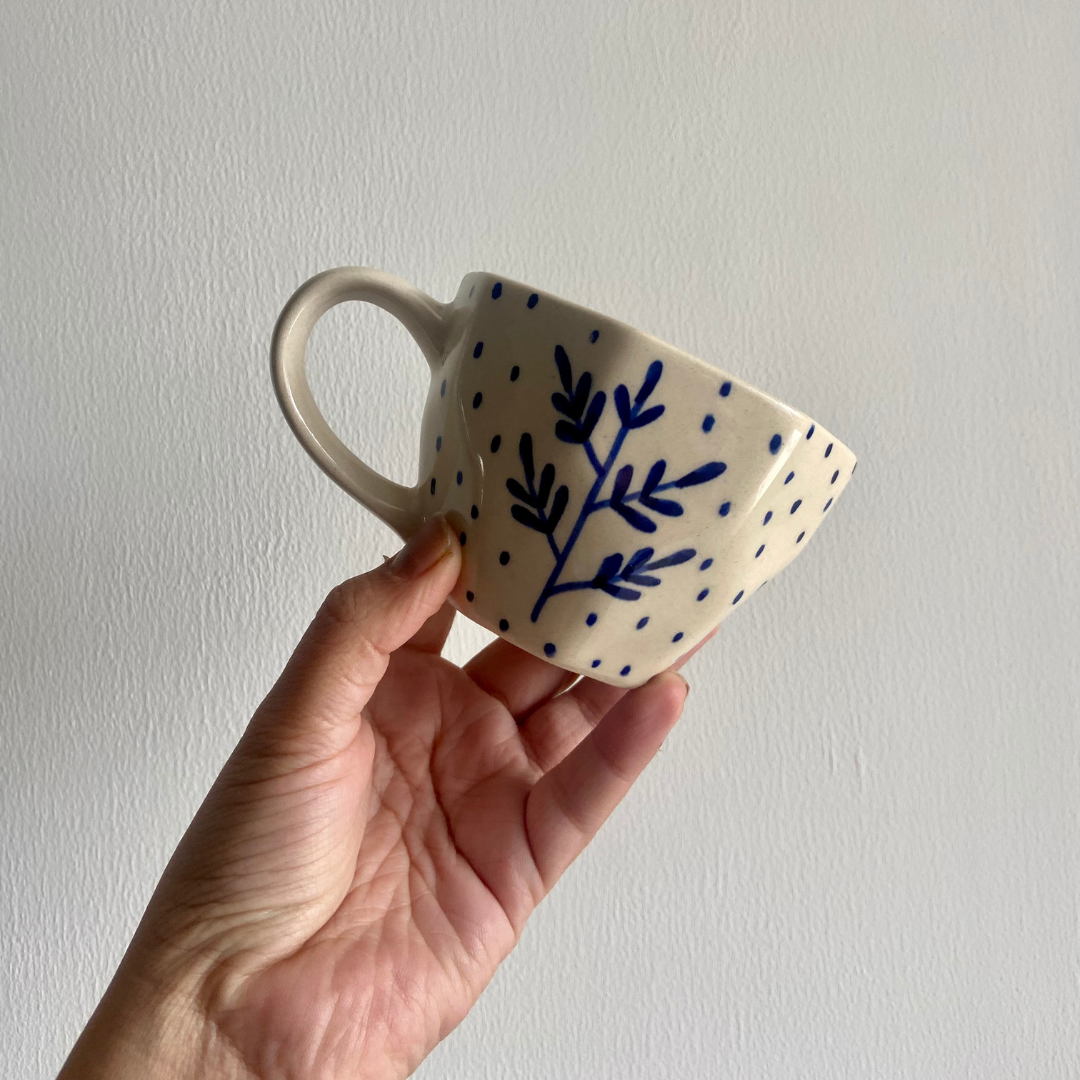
(562, 404)
(608, 568)
(667, 507)
(547, 478)
(596, 407)
(656, 474)
(558, 505)
(581, 395)
(569, 432)
(515, 489)
(701, 474)
(639, 521)
(642, 579)
(622, 403)
(652, 377)
(527, 517)
(563, 362)
(672, 560)
(526, 454)
(642, 555)
(648, 416)
(619, 592)
(622, 483)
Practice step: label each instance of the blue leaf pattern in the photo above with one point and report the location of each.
(580, 412)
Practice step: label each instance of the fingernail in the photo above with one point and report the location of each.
(424, 550)
(687, 685)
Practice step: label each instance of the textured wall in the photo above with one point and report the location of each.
(859, 853)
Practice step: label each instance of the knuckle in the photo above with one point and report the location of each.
(344, 603)
(348, 622)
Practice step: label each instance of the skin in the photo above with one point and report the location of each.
(373, 847)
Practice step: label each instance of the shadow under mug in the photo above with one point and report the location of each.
(615, 498)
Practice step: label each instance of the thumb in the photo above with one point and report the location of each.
(313, 710)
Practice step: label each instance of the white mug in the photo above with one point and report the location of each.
(615, 498)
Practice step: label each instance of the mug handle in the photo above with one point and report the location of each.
(425, 318)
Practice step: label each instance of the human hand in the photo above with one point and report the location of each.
(372, 848)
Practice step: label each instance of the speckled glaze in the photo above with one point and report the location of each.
(615, 498)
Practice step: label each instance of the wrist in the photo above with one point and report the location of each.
(139, 1030)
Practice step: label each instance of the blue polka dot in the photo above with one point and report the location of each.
(774, 443)
(725, 389)
(738, 597)
(478, 350)
(474, 513)
(768, 517)
(798, 539)
(625, 671)
(642, 622)
(460, 477)
(596, 663)
(442, 390)
(533, 299)
(707, 423)
(828, 449)
(790, 477)
(549, 649)
(496, 291)
(433, 485)
(504, 625)
(827, 505)
(678, 636)
(515, 371)
(705, 565)
(470, 597)
(810, 433)
(591, 620)
(701, 595)
(477, 398)
(504, 557)
(725, 509)
(495, 443)
(834, 476)
(757, 554)
(438, 444)
(462, 538)
(795, 505)
(594, 335)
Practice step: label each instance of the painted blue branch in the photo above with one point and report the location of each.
(592, 457)
(570, 586)
(634, 495)
(583, 516)
(582, 416)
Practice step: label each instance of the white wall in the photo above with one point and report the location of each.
(859, 853)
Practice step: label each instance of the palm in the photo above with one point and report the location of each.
(419, 933)
(392, 862)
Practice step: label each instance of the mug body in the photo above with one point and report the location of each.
(615, 498)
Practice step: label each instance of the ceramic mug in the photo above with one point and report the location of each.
(615, 498)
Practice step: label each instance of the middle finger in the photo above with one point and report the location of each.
(521, 681)
(553, 729)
